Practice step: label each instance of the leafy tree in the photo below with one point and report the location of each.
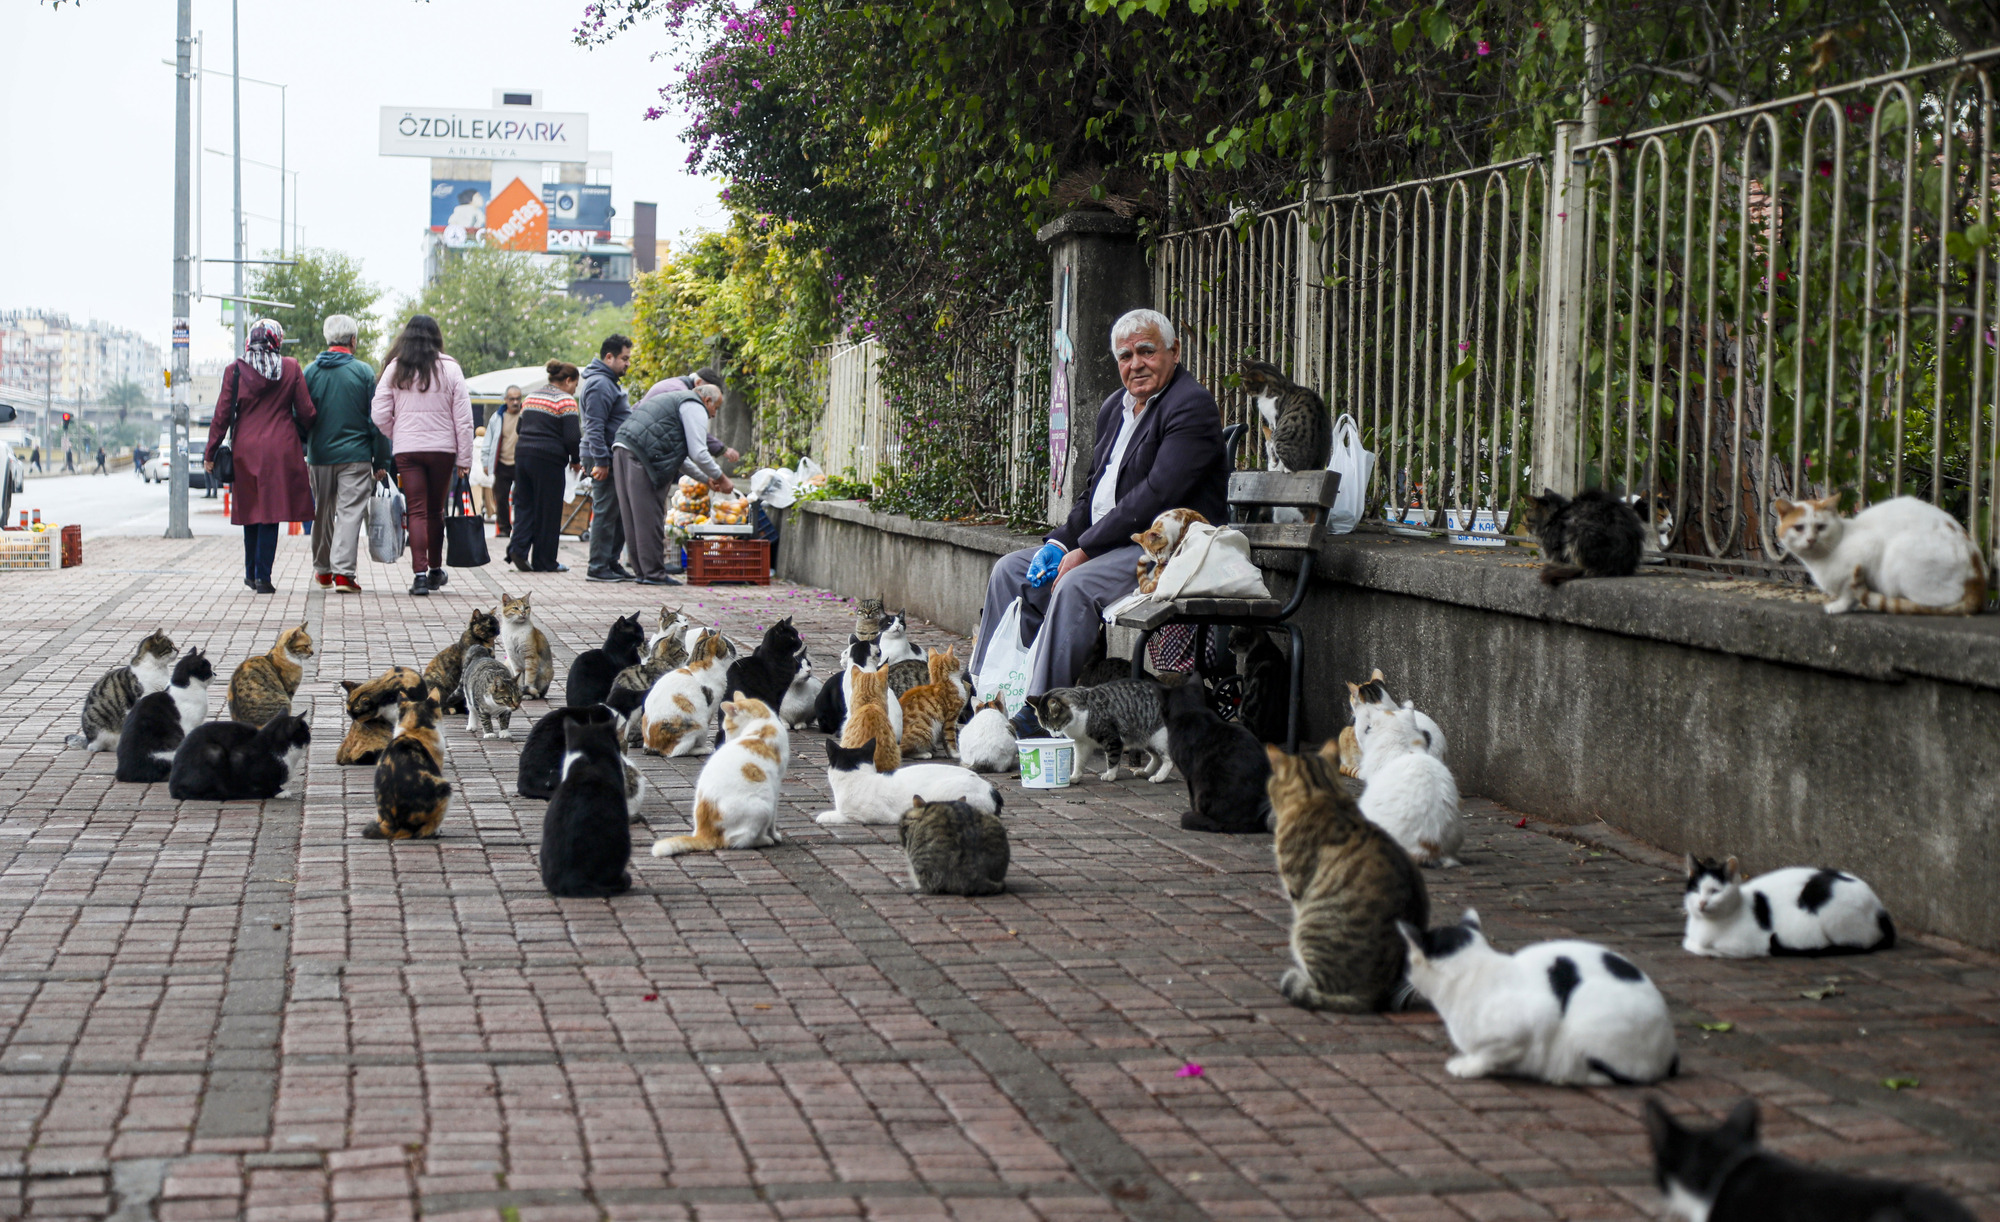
(320, 284)
(125, 396)
(500, 309)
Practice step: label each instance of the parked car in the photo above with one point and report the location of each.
(159, 466)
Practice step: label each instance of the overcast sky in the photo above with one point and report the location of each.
(87, 135)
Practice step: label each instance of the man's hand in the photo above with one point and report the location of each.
(729, 455)
(721, 483)
(1070, 561)
(381, 476)
(600, 473)
(1042, 567)
(207, 466)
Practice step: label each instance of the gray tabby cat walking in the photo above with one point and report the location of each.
(113, 696)
(491, 693)
(1296, 425)
(1125, 715)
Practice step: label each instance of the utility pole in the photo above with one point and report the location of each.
(236, 119)
(177, 455)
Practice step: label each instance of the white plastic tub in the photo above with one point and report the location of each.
(1047, 763)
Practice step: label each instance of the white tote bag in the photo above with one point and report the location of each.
(386, 533)
(1211, 562)
(1004, 670)
(1356, 466)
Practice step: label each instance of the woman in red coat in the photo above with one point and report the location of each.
(263, 410)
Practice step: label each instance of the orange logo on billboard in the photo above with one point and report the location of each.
(517, 218)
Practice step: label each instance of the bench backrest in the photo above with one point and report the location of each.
(1309, 492)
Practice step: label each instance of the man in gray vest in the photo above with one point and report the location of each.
(664, 436)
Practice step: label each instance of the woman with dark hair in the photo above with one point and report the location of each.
(423, 406)
(264, 411)
(549, 433)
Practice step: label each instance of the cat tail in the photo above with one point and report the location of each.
(1556, 574)
(1619, 1079)
(1970, 603)
(707, 835)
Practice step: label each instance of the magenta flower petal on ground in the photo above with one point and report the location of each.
(1189, 1070)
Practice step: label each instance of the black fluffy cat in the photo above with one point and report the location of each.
(1593, 535)
(586, 843)
(766, 671)
(159, 721)
(1223, 763)
(226, 761)
(594, 671)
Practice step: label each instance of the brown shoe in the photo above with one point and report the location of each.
(346, 584)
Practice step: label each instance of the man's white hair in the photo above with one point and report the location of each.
(340, 329)
(709, 392)
(1132, 322)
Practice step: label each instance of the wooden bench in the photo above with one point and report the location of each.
(1309, 492)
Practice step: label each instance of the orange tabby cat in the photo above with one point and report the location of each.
(868, 718)
(931, 711)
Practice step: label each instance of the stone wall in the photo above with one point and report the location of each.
(1695, 713)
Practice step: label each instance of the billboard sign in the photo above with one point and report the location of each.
(459, 203)
(506, 134)
(517, 219)
(575, 205)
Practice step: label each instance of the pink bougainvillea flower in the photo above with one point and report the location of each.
(1189, 1070)
(1484, 47)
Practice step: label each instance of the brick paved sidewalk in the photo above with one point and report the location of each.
(245, 1010)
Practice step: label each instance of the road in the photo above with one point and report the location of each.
(116, 504)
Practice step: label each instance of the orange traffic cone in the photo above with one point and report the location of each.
(225, 501)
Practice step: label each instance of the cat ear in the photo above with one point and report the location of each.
(1732, 870)
(1742, 1123)
(1693, 867)
(917, 801)
(1375, 676)
(1413, 938)
(349, 685)
(1660, 1127)
(1783, 507)
(1470, 919)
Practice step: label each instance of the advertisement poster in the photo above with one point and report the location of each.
(517, 219)
(459, 203)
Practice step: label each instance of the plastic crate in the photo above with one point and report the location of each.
(72, 545)
(710, 561)
(23, 549)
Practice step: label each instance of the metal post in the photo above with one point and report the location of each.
(177, 458)
(1559, 408)
(236, 119)
(284, 96)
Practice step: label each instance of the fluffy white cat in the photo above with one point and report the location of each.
(1903, 555)
(680, 707)
(1795, 911)
(863, 795)
(986, 743)
(1567, 1013)
(1410, 793)
(736, 795)
(802, 697)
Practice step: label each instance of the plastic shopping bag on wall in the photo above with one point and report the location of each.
(1355, 466)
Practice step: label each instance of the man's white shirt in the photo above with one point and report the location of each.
(1106, 496)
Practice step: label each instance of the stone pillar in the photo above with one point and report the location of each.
(736, 420)
(1098, 272)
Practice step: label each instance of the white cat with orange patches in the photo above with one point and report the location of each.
(1903, 556)
(1159, 541)
(736, 796)
(681, 706)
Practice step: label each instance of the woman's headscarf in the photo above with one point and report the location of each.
(264, 349)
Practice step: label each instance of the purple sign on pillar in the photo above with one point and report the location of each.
(1058, 425)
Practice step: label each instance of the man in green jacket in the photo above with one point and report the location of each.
(345, 454)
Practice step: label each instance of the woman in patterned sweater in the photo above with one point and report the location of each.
(550, 432)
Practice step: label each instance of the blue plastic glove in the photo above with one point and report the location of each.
(1042, 569)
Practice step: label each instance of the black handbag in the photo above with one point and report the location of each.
(225, 464)
(464, 531)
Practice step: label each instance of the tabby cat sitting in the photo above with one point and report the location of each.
(1297, 428)
(953, 848)
(373, 708)
(1593, 534)
(262, 688)
(157, 724)
(668, 652)
(490, 693)
(930, 712)
(227, 761)
(529, 658)
(410, 790)
(114, 694)
(446, 673)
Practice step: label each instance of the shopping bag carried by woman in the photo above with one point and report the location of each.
(464, 531)
(386, 533)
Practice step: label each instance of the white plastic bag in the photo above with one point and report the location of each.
(574, 483)
(773, 486)
(1211, 562)
(807, 469)
(1005, 668)
(386, 534)
(1356, 467)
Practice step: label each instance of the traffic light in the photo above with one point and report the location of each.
(66, 420)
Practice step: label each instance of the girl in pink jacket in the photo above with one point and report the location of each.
(422, 405)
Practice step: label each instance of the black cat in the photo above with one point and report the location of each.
(227, 761)
(830, 710)
(594, 671)
(1267, 690)
(1719, 1174)
(767, 670)
(1224, 764)
(542, 755)
(158, 722)
(1593, 535)
(586, 843)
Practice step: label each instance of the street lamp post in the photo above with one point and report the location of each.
(177, 455)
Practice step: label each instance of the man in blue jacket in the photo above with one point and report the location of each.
(603, 405)
(1159, 447)
(345, 453)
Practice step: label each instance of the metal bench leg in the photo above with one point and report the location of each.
(1139, 653)
(1298, 679)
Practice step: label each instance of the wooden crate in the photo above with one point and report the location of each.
(714, 560)
(72, 545)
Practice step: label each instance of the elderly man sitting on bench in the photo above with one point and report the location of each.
(1159, 447)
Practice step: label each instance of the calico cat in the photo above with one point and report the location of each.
(540, 765)
(1794, 911)
(1223, 764)
(1410, 793)
(953, 848)
(930, 712)
(681, 706)
(262, 688)
(1267, 690)
(1903, 556)
(1349, 883)
(868, 620)
(156, 725)
(490, 693)
(1720, 1175)
(446, 673)
(895, 641)
(114, 694)
(529, 658)
(861, 794)
(802, 695)
(767, 671)
(986, 744)
(1373, 708)
(411, 793)
(1124, 715)
(595, 670)
(869, 720)
(736, 795)
(372, 706)
(586, 841)
(1297, 429)
(1158, 542)
(1593, 535)
(1565, 1013)
(227, 761)
(830, 709)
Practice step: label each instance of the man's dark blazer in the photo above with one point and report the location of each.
(1175, 461)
